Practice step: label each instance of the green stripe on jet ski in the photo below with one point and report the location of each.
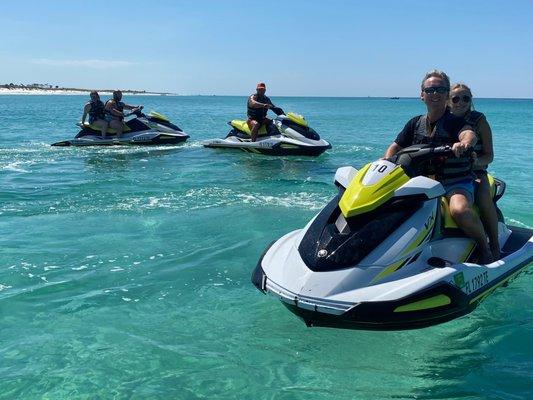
(419, 240)
(433, 302)
(390, 269)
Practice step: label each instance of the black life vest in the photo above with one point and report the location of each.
(258, 114)
(473, 118)
(454, 169)
(97, 111)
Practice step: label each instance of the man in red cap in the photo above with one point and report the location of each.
(258, 105)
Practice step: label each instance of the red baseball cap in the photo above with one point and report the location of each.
(261, 85)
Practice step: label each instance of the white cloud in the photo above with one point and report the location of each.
(94, 63)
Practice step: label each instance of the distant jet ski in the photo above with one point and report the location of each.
(385, 253)
(151, 129)
(289, 134)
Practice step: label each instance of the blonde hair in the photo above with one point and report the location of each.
(461, 85)
(437, 74)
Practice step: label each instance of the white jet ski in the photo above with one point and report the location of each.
(385, 253)
(151, 129)
(289, 134)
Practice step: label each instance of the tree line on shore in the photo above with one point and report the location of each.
(47, 86)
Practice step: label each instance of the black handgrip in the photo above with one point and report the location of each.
(277, 111)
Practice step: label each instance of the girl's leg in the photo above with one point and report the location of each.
(489, 217)
(102, 124)
(116, 125)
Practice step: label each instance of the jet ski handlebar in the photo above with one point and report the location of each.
(443, 150)
(136, 111)
(447, 151)
(277, 110)
(423, 159)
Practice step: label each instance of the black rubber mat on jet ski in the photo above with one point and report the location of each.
(518, 238)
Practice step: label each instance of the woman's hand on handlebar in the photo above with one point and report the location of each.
(460, 148)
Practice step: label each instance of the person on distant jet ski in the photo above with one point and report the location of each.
(439, 127)
(114, 112)
(258, 105)
(95, 110)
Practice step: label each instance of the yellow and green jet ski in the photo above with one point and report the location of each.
(384, 254)
(289, 134)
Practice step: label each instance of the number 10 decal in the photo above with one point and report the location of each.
(382, 168)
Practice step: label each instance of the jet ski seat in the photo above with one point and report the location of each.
(448, 222)
(242, 126)
(109, 130)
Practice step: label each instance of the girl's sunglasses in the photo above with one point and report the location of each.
(466, 99)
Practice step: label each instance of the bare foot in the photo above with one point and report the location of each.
(485, 257)
(496, 253)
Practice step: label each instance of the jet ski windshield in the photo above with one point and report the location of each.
(308, 132)
(325, 248)
(299, 124)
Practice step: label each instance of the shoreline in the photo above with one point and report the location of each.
(74, 92)
(85, 92)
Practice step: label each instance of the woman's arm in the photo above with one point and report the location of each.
(130, 107)
(110, 106)
(86, 110)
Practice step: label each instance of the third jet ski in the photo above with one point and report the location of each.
(289, 134)
(385, 253)
(151, 129)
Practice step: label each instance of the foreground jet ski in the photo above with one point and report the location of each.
(151, 129)
(385, 254)
(289, 134)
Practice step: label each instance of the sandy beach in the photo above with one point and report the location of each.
(53, 92)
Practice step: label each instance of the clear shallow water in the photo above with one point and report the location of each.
(125, 272)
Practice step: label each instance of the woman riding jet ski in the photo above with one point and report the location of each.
(289, 134)
(151, 129)
(385, 253)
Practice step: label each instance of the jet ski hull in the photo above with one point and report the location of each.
(140, 139)
(450, 296)
(268, 147)
(288, 135)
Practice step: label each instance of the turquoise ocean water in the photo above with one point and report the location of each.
(125, 271)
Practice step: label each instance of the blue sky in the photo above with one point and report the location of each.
(299, 48)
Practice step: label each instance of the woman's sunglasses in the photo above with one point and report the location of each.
(435, 89)
(466, 99)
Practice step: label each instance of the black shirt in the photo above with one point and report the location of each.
(258, 113)
(451, 124)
